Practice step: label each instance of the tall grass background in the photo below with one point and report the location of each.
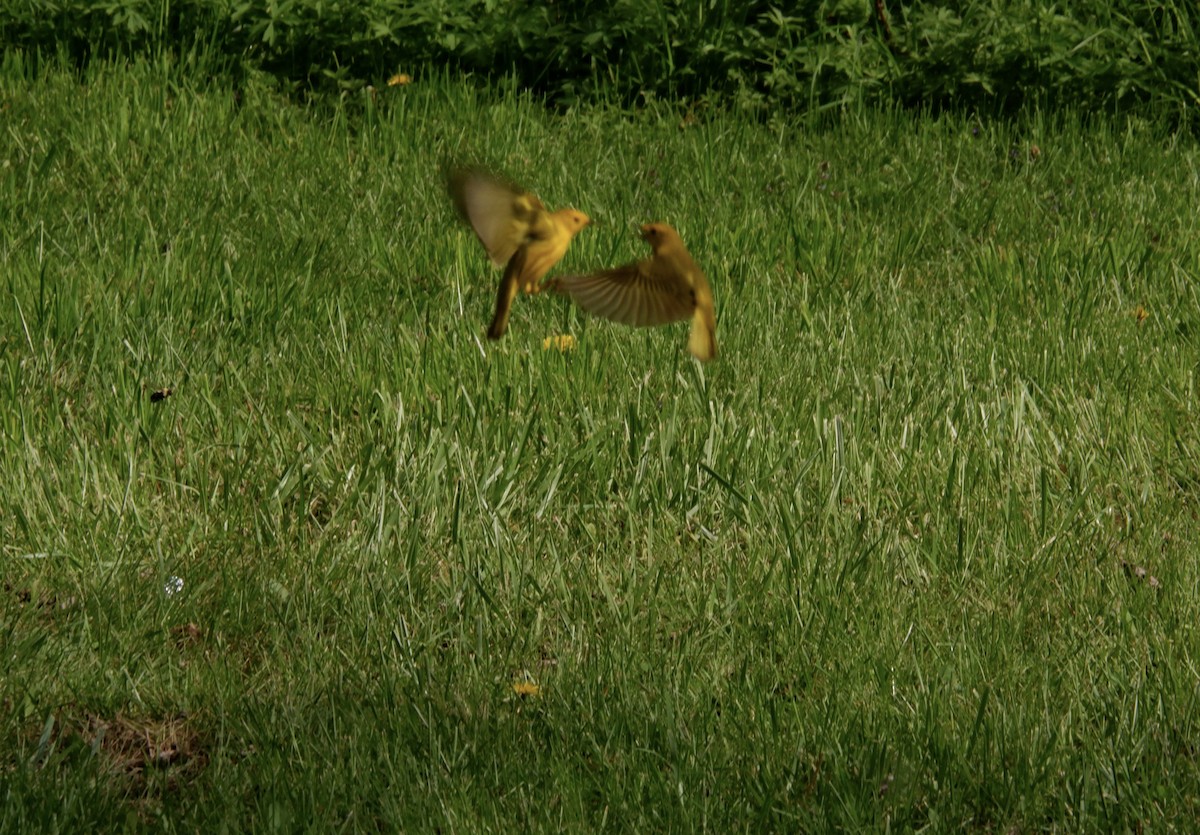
(916, 552)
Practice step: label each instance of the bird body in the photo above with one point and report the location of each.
(516, 230)
(666, 287)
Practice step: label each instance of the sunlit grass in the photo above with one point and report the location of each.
(918, 549)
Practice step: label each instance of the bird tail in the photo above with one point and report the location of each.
(702, 341)
(505, 294)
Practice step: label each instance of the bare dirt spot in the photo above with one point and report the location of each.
(144, 759)
(145, 756)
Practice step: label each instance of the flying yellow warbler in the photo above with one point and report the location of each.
(515, 229)
(666, 287)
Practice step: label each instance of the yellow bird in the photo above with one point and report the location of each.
(666, 287)
(516, 230)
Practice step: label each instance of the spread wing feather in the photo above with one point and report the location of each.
(629, 295)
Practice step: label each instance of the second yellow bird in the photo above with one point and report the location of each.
(666, 287)
(516, 230)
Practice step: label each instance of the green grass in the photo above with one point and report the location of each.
(878, 566)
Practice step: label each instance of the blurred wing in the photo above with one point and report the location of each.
(630, 296)
(498, 211)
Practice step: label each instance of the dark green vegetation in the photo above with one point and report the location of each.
(760, 56)
(917, 550)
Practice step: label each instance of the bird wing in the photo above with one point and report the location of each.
(631, 295)
(499, 212)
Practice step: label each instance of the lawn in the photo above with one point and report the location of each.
(918, 550)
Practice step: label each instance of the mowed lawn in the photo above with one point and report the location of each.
(918, 550)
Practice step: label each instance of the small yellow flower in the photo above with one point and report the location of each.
(564, 342)
(526, 689)
(399, 79)
(1140, 314)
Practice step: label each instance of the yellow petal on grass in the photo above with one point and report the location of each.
(526, 689)
(1140, 313)
(563, 342)
(399, 79)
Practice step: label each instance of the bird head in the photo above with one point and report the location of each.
(660, 236)
(574, 219)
